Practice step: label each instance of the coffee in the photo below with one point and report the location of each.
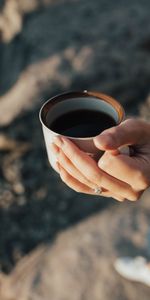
(82, 123)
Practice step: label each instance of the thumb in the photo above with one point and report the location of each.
(129, 132)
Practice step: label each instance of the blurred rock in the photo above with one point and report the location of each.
(6, 196)
(7, 144)
(79, 264)
(27, 91)
(12, 13)
(10, 20)
(11, 169)
(145, 109)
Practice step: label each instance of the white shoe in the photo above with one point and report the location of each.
(135, 269)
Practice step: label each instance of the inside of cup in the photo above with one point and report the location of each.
(73, 104)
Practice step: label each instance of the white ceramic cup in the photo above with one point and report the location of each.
(73, 101)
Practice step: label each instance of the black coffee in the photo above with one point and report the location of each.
(82, 123)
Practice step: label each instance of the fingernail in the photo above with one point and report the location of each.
(104, 140)
(58, 141)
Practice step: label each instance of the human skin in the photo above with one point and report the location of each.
(120, 176)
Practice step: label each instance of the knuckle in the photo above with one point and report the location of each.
(137, 125)
(134, 196)
(142, 180)
(119, 198)
(133, 122)
(144, 184)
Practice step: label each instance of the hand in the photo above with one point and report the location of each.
(133, 170)
(81, 173)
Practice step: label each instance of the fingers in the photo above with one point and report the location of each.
(73, 183)
(129, 132)
(69, 173)
(73, 171)
(79, 187)
(69, 167)
(119, 187)
(84, 163)
(125, 168)
(89, 168)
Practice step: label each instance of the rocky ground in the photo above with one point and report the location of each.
(79, 263)
(59, 46)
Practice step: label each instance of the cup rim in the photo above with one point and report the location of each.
(76, 94)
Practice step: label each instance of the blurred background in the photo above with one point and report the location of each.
(54, 243)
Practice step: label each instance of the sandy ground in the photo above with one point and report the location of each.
(95, 45)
